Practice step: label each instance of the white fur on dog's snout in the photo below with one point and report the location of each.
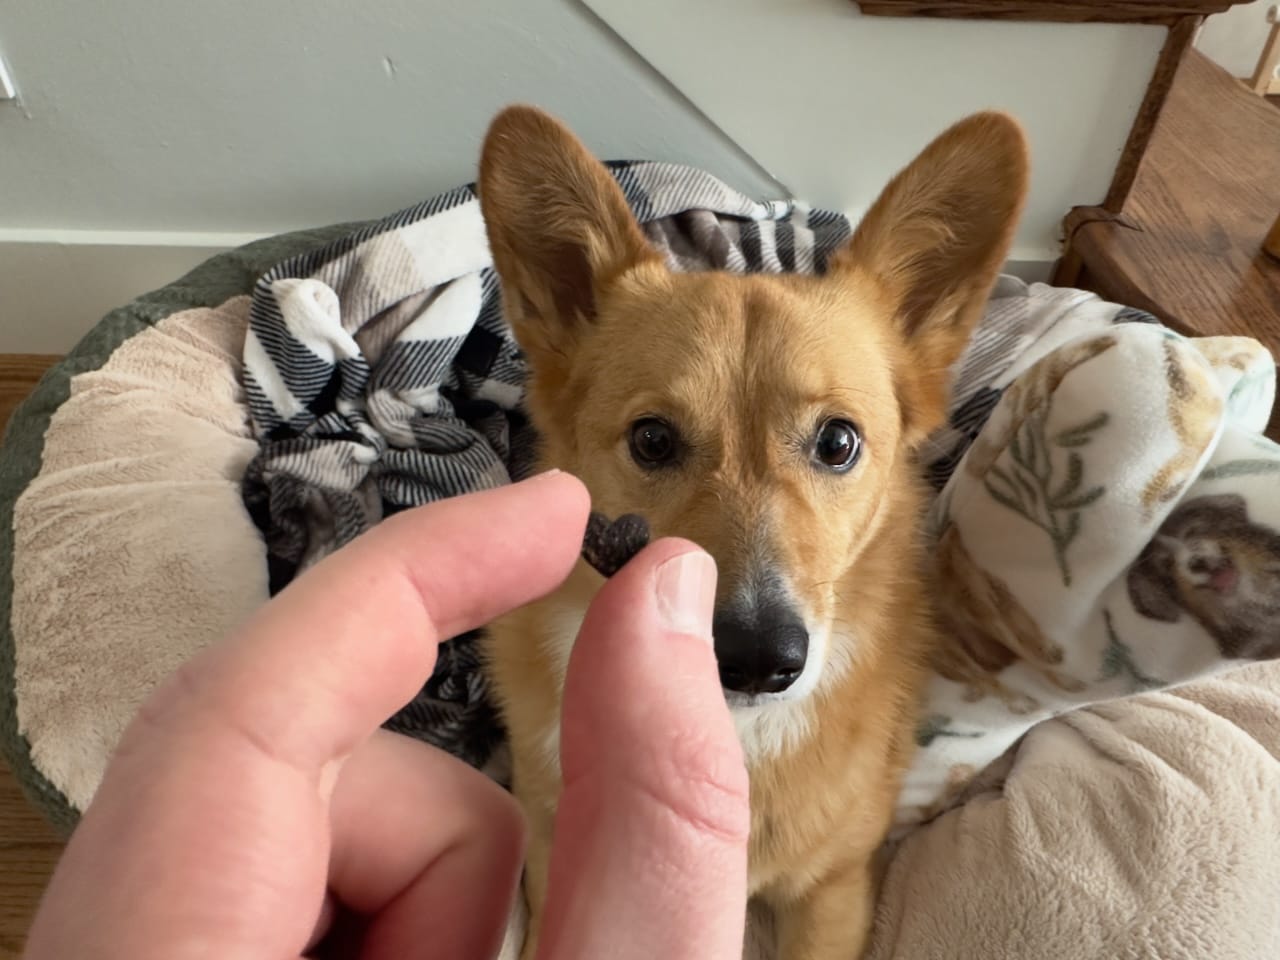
(772, 723)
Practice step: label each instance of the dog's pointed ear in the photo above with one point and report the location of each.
(559, 230)
(934, 243)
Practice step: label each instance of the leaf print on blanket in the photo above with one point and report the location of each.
(1117, 659)
(1241, 468)
(938, 725)
(1025, 395)
(1254, 389)
(1029, 488)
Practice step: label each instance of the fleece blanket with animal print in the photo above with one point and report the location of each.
(1114, 529)
(1105, 523)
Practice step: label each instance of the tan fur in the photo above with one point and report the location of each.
(748, 367)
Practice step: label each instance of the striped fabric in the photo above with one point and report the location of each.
(381, 375)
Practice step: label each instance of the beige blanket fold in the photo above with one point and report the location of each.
(1148, 828)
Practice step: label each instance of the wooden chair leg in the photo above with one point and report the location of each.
(1264, 80)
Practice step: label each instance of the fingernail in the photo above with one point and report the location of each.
(686, 593)
(544, 475)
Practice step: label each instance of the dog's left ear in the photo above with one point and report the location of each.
(560, 231)
(934, 243)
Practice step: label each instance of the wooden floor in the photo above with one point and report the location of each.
(28, 846)
(28, 851)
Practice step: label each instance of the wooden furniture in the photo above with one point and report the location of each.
(1166, 12)
(1264, 80)
(1182, 17)
(1187, 245)
(29, 848)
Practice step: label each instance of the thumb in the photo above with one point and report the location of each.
(650, 850)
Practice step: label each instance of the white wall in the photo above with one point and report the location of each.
(262, 115)
(150, 133)
(1234, 39)
(831, 101)
(255, 116)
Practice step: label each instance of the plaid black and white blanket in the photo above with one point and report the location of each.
(381, 375)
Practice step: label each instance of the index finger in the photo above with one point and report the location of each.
(352, 641)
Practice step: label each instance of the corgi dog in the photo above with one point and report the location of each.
(773, 420)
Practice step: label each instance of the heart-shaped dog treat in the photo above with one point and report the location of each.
(608, 545)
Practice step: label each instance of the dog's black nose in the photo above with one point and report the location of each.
(762, 651)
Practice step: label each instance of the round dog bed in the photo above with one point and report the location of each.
(1098, 772)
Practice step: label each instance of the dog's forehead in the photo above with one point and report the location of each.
(718, 342)
(793, 323)
(811, 337)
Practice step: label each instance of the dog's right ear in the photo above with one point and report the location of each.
(934, 242)
(559, 230)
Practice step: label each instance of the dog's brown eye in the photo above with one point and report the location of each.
(653, 442)
(838, 445)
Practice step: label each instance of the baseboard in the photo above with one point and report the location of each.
(1033, 266)
(56, 284)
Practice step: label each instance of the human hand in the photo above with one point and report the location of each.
(255, 791)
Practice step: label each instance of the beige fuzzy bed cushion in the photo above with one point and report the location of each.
(132, 548)
(124, 544)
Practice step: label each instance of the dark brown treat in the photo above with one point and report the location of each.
(608, 545)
